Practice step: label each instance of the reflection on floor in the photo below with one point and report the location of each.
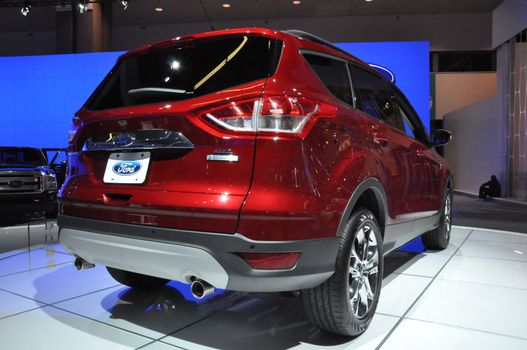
(21, 236)
(471, 295)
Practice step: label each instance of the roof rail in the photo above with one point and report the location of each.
(314, 38)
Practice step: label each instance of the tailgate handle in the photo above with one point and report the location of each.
(108, 198)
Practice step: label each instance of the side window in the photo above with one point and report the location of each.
(374, 97)
(413, 126)
(408, 128)
(333, 74)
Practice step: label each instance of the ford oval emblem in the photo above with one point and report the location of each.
(388, 74)
(123, 140)
(126, 167)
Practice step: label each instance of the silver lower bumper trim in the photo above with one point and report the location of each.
(170, 261)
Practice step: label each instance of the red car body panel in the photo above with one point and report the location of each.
(183, 191)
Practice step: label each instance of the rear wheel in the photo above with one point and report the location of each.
(346, 302)
(136, 280)
(439, 238)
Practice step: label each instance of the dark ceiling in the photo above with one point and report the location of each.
(141, 12)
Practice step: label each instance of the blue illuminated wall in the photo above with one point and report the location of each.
(40, 94)
(410, 63)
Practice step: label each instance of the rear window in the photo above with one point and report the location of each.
(185, 71)
(21, 156)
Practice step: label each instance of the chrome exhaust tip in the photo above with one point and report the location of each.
(81, 264)
(201, 289)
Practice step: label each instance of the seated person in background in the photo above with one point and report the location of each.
(491, 188)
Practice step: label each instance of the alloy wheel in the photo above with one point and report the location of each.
(364, 277)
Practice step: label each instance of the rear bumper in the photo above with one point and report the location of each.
(180, 254)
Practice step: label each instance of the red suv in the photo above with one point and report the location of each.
(253, 160)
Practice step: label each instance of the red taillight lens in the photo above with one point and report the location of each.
(286, 114)
(282, 114)
(271, 261)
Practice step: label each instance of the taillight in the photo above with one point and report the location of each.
(237, 116)
(279, 114)
(286, 114)
(76, 123)
(271, 261)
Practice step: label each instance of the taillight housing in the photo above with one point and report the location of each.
(269, 114)
(271, 261)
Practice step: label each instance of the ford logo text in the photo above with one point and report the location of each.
(126, 167)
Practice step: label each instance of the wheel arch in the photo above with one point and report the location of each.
(370, 195)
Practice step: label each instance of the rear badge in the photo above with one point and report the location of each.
(222, 157)
(123, 140)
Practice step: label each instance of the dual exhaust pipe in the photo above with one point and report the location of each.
(199, 288)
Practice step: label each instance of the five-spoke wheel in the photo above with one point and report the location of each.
(364, 271)
(346, 302)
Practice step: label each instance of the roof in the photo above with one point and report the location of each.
(321, 43)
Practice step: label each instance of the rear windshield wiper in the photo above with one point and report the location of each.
(150, 90)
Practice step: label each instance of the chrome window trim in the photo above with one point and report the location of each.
(141, 140)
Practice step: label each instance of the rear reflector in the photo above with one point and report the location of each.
(271, 261)
(282, 114)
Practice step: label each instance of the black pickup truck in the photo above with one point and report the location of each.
(28, 185)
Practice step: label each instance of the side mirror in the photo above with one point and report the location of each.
(440, 137)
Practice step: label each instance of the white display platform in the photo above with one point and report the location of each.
(470, 296)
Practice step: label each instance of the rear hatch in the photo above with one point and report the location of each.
(145, 148)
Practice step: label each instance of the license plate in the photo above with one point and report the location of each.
(127, 168)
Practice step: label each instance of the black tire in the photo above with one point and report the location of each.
(438, 238)
(330, 305)
(136, 280)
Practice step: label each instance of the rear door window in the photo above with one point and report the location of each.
(187, 70)
(334, 74)
(372, 95)
(413, 126)
(408, 128)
